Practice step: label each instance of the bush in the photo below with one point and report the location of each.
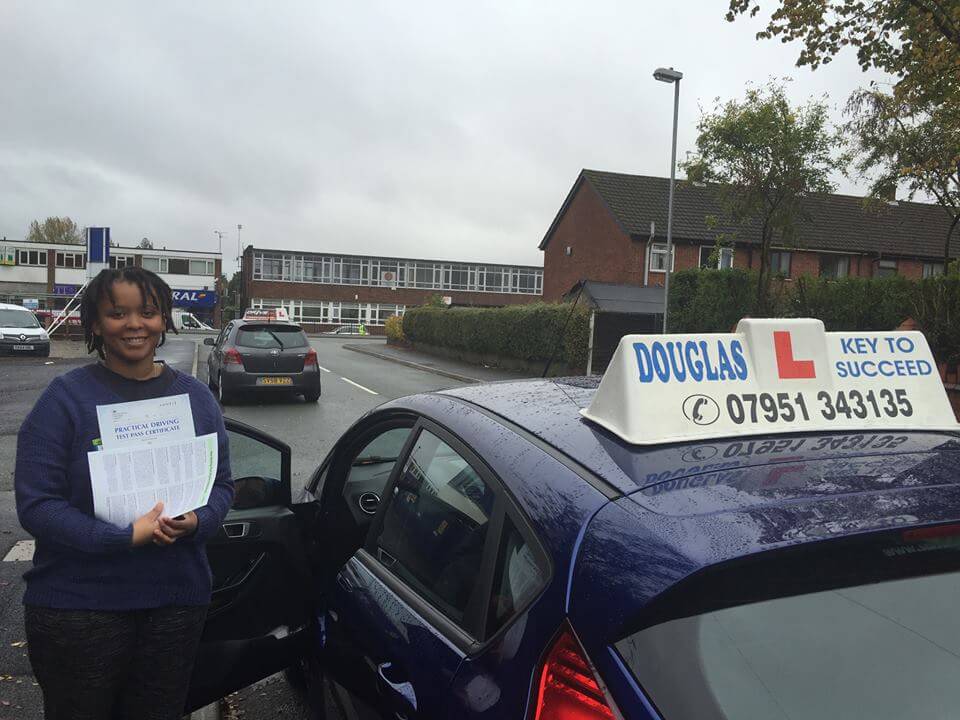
(936, 310)
(710, 300)
(526, 332)
(853, 303)
(714, 300)
(394, 328)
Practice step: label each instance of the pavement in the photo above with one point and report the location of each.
(455, 369)
(353, 383)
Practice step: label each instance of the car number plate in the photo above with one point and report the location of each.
(274, 381)
(23, 347)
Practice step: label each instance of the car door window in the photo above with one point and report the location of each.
(434, 529)
(257, 471)
(370, 470)
(520, 573)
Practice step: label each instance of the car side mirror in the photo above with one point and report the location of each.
(209, 341)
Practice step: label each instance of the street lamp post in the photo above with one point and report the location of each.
(669, 75)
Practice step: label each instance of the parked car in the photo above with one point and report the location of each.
(21, 332)
(486, 552)
(251, 356)
(348, 330)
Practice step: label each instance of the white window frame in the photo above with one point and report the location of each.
(724, 252)
(932, 269)
(658, 250)
(23, 258)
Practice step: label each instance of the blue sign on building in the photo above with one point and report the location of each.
(194, 298)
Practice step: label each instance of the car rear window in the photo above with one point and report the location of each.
(857, 648)
(18, 319)
(269, 337)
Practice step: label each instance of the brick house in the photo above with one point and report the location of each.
(612, 228)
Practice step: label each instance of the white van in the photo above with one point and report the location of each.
(21, 333)
(183, 320)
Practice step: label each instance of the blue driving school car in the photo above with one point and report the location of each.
(586, 548)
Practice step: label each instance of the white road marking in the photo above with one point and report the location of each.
(21, 551)
(323, 368)
(196, 356)
(372, 392)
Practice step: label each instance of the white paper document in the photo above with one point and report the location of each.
(129, 480)
(142, 422)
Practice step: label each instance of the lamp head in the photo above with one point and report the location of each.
(667, 75)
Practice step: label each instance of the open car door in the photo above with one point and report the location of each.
(260, 613)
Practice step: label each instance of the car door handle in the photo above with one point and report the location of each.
(345, 582)
(392, 679)
(236, 530)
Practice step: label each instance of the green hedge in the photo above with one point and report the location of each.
(526, 332)
(713, 301)
(936, 308)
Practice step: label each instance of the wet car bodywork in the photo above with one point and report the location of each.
(621, 528)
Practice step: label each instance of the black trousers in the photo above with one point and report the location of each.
(94, 665)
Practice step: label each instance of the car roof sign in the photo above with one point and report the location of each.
(267, 314)
(770, 376)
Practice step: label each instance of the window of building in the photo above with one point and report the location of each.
(834, 266)
(156, 264)
(201, 267)
(713, 257)
(385, 272)
(435, 526)
(780, 263)
(658, 258)
(932, 269)
(178, 266)
(37, 258)
(886, 268)
(122, 261)
(71, 260)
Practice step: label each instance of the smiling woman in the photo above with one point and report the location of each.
(114, 613)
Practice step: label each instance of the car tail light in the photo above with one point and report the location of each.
(568, 689)
(311, 359)
(232, 357)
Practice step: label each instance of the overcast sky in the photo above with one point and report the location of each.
(447, 130)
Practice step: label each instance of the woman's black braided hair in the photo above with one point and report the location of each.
(152, 287)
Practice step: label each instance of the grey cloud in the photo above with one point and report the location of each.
(439, 129)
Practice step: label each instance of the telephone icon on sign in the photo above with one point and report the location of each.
(701, 409)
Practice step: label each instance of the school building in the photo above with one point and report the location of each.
(324, 290)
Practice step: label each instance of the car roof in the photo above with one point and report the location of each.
(678, 477)
(8, 306)
(687, 506)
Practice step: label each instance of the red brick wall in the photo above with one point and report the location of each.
(804, 263)
(685, 257)
(911, 269)
(601, 250)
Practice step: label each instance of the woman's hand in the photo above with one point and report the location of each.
(169, 529)
(145, 526)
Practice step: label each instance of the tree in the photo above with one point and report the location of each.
(911, 144)
(145, 244)
(764, 157)
(917, 41)
(61, 230)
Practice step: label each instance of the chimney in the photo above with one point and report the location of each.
(889, 193)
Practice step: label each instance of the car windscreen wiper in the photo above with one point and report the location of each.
(373, 460)
(275, 337)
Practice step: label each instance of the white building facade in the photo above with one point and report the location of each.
(45, 276)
